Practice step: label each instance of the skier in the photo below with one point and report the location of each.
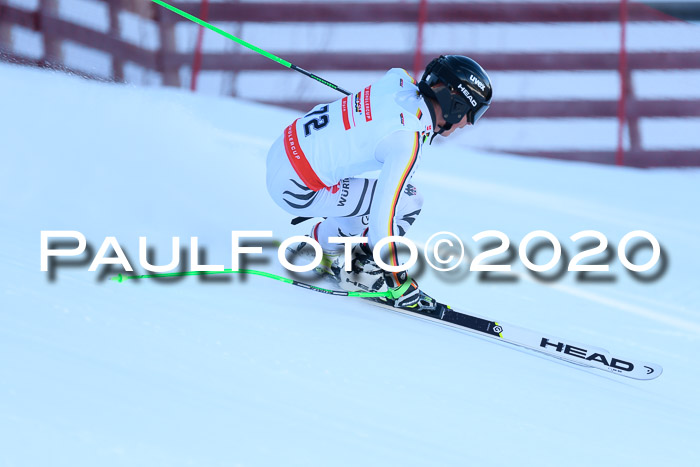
(312, 168)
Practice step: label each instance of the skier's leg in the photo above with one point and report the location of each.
(407, 211)
(346, 207)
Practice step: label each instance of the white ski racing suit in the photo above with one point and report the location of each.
(313, 168)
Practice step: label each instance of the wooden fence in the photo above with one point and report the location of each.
(167, 61)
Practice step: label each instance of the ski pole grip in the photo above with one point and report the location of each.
(397, 292)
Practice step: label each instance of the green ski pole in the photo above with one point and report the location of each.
(391, 293)
(252, 47)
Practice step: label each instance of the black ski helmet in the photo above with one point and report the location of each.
(467, 89)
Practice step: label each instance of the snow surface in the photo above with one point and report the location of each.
(249, 371)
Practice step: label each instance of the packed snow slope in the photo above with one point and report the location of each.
(249, 371)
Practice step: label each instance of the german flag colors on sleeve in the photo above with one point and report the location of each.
(400, 153)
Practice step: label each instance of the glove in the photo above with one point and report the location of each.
(410, 298)
(416, 300)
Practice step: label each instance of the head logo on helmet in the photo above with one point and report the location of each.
(460, 86)
(466, 94)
